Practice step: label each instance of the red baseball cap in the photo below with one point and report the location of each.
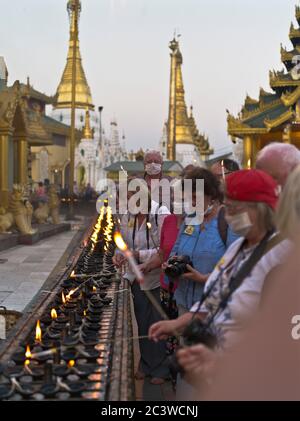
(252, 186)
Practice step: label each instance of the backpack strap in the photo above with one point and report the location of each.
(222, 225)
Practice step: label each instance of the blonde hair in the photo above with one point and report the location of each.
(288, 211)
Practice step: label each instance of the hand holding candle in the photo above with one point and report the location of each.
(122, 246)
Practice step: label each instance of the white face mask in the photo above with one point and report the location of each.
(240, 223)
(153, 168)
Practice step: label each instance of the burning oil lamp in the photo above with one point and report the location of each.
(38, 333)
(63, 298)
(53, 314)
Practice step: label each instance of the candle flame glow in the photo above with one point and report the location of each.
(72, 274)
(249, 164)
(28, 352)
(63, 298)
(120, 243)
(53, 314)
(38, 332)
(149, 225)
(71, 363)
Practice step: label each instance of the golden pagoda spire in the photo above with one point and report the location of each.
(87, 131)
(181, 128)
(64, 90)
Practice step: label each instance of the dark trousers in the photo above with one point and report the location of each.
(153, 360)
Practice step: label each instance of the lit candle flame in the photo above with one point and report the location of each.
(94, 289)
(53, 314)
(84, 313)
(71, 363)
(149, 225)
(28, 352)
(63, 298)
(70, 294)
(38, 332)
(120, 243)
(249, 164)
(72, 274)
(223, 170)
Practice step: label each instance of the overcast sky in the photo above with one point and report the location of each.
(228, 48)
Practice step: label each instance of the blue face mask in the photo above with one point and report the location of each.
(196, 217)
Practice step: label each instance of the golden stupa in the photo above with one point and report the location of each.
(63, 97)
(181, 128)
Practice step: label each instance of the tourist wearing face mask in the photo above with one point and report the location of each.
(153, 167)
(200, 239)
(251, 198)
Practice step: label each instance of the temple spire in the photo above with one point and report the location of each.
(181, 130)
(87, 131)
(64, 90)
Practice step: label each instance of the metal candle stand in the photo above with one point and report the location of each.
(73, 358)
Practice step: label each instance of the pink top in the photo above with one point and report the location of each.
(169, 232)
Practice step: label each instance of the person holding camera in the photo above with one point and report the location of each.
(233, 291)
(199, 245)
(141, 228)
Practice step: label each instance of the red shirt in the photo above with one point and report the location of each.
(169, 232)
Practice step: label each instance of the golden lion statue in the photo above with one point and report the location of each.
(21, 209)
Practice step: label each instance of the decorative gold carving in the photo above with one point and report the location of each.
(290, 98)
(271, 123)
(250, 101)
(54, 203)
(294, 32)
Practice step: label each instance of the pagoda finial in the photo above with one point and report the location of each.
(64, 90)
(87, 131)
(181, 129)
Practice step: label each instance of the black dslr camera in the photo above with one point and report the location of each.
(197, 332)
(177, 266)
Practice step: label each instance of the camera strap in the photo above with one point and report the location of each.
(235, 282)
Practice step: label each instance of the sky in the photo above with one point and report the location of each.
(228, 48)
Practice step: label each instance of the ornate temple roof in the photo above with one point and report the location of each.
(16, 113)
(63, 97)
(272, 109)
(182, 128)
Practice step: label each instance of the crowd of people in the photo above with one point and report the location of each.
(85, 192)
(211, 276)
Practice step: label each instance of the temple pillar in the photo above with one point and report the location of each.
(254, 151)
(21, 158)
(4, 160)
(248, 154)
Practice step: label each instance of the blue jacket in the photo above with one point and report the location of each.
(205, 248)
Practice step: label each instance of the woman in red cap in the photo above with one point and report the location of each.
(232, 292)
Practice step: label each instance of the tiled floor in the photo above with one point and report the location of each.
(145, 391)
(27, 268)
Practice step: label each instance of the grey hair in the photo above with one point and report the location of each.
(288, 211)
(266, 216)
(154, 152)
(289, 154)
